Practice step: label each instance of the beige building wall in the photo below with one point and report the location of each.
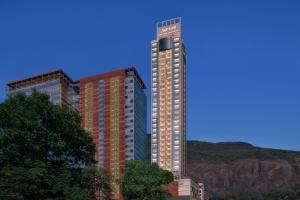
(168, 136)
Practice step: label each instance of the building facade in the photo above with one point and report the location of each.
(112, 107)
(113, 110)
(168, 98)
(186, 188)
(60, 88)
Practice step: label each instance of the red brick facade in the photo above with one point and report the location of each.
(94, 80)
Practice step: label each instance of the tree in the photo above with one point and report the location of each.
(281, 194)
(44, 153)
(144, 181)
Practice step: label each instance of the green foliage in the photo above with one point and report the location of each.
(292, 193)
(44, 153)
(281, 194)
(144, 181)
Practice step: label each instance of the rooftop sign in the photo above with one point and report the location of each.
(169, 28)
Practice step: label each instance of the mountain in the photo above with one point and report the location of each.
(238, 168)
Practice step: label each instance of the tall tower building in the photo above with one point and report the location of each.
(168, 102)
(113, 109)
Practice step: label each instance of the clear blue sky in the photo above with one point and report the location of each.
(243, 57)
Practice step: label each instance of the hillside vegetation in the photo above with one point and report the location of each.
(225, 152)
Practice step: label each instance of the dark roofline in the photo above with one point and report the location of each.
(59, 71)
(120, 70)
(139, 79)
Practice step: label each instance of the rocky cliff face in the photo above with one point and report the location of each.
(234, 168)
(244, 174)
(239, 167)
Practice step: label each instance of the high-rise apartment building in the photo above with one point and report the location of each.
(168, 99)
(62, 90)
(113, 110)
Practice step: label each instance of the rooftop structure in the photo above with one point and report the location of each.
(60, 88)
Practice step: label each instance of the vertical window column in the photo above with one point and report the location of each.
(101, 122)
(129, 118)
(176, 106)
(114, 122)
(154, 103)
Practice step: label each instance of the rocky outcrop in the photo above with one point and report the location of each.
(228, 169)
(239, 167)
(244, 174)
